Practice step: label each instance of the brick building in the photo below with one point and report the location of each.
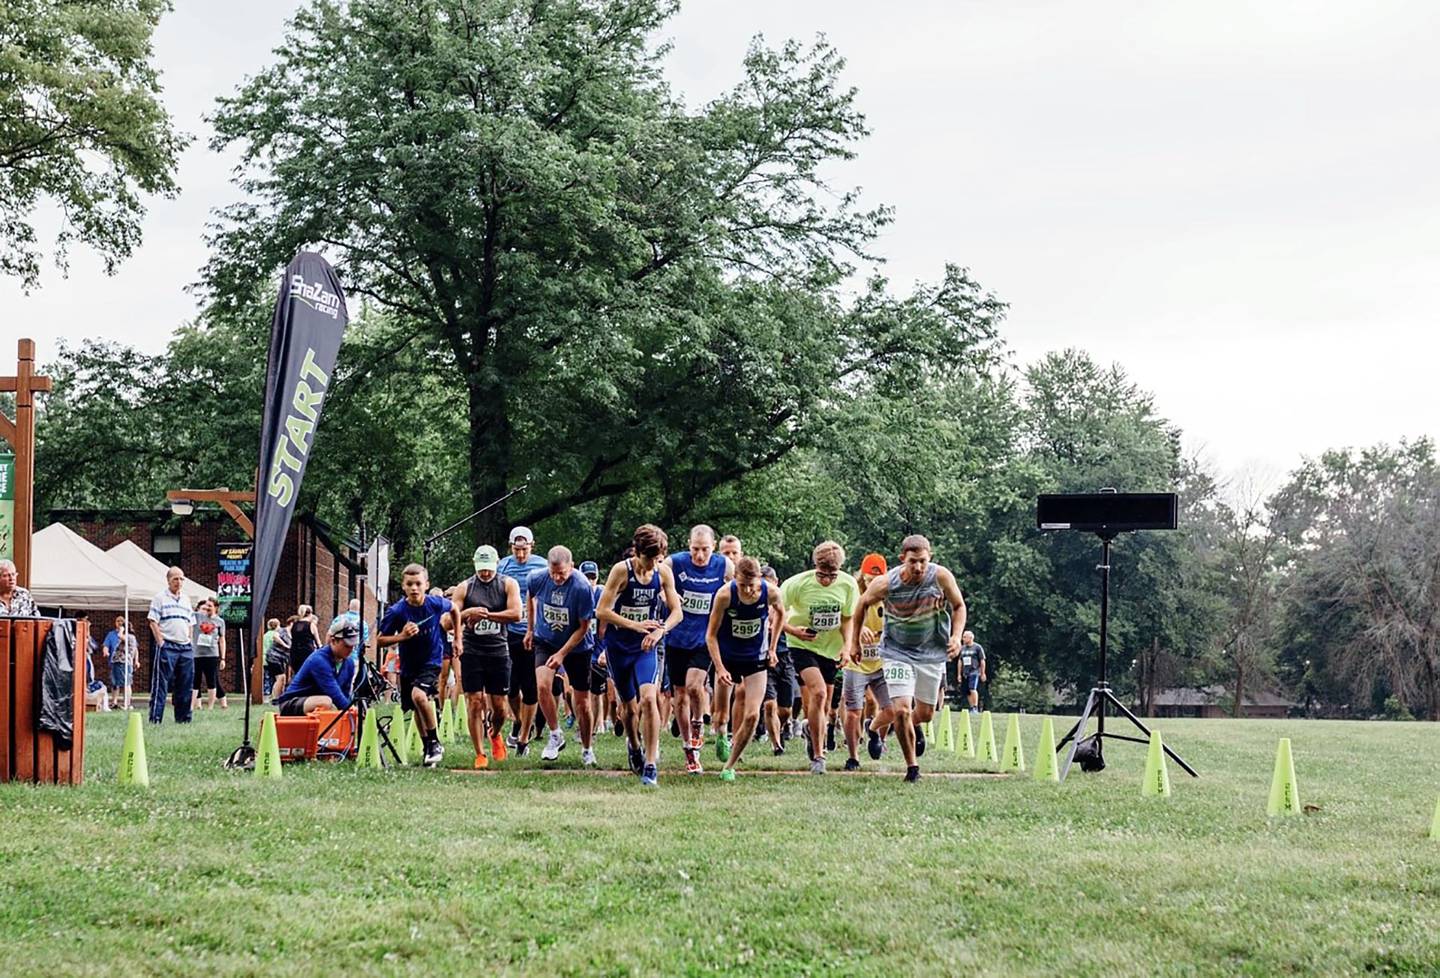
(316, 567)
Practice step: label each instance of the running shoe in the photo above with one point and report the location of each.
(619, 728)
(912, 774)
(649, 777)
(481, 762)
(675, 727)
(512, 741)
(876, 746)
(587, 757)
(692, 761)
(523, 750)
(554, 747)
(722, 747)
(570, 721)
(809, 748)
(778, 751)
(919, 741)
(830, 737)
(817, 766)
(851, 764)
(974, 711)
(727, 774)
(434, 755)
(497, 749)
(637, 759)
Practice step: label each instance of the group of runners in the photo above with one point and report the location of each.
(707, 633)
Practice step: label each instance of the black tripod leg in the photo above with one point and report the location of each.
(1076, 734)
(1146, 731)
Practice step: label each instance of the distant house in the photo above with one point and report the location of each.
(1214, 701)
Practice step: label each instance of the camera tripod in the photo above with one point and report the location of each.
(1090, 749)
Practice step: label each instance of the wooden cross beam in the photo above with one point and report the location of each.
(20, 434)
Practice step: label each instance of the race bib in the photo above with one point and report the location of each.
(824, 620)
(696, 602)
(870, 653)
(558, 618)
(967, 660)
(487, 627)
(899, 672)
(636, 613)
(743, 628)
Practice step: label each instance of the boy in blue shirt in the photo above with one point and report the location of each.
(414, 624)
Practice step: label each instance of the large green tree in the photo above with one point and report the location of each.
(634, 297)
(81, 125)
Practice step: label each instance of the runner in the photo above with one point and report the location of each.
(819, 604)
(629, 606)
(449, 682)
(413, 623)
(746, 619)
(561, 605)
(924, 619)
(602, 700)
(720, 714)
(486, 603)
(698, 575)
(779, 682)
(866, 674)
(519, 564)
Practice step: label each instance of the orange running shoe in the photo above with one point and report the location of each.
(497, 749)
(481, 762)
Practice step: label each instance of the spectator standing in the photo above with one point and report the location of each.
(267, 642)
(209, 642)
(15, 601)
(303, 631)
(124, 653)
(351, 615)
(171, 626)
(972, 669)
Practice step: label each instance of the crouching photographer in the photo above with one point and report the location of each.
(324, 680)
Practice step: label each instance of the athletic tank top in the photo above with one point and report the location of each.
(481, 637)
(917, 619)
(696, 587)
(302, 641)
(635, 602)
(742, 630)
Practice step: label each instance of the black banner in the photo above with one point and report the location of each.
(310, 318)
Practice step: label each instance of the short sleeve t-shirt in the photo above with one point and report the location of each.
(820, 607)
(426, 647)
(172, 612)
(208, 629)
(560, 608)
(971, 656)
(510, 567)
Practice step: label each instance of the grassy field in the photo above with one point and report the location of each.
(330, 871)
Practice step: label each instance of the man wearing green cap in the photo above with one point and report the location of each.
(486, 603)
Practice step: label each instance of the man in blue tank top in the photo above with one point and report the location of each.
(629, 607)
(518, 565)
(698, 575)
(746, 619)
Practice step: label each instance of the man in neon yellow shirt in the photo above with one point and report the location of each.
(819, 604)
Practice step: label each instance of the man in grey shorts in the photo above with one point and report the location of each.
(924, 619)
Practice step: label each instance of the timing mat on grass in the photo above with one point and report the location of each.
(838, 775)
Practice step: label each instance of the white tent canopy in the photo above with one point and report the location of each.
(130, 555)
(68, 571)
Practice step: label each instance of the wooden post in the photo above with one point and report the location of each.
(21, 435)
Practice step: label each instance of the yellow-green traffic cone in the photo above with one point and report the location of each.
(966, 746)
(1435, 824)
(947, 729)
(369, 753)
(1157, 774)
(1013, 757)
(462, 714)
(417, 746)
(1046, 768)
(400, 735)
(986, 750)
(267, 764)
(1284, 792)
(134, 769)
(447, 723)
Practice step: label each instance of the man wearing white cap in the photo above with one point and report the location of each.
(518, 565)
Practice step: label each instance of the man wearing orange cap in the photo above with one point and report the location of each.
(865, 673)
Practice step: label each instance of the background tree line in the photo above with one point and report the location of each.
(645, 311)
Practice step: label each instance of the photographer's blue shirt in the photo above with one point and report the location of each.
(426, 647)
(320, 676)
(561, 608)
(511, 567)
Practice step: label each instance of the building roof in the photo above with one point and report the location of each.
(1213, 695)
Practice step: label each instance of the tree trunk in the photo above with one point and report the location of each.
(490, 459)
(1149, 676)
(1239, 710)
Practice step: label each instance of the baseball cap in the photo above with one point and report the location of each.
(343, 628)
(486, 558)
(873, 564)
(522, 533)
(589, 568)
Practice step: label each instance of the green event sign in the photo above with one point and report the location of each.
(7, 506)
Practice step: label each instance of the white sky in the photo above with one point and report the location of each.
(1238, 201)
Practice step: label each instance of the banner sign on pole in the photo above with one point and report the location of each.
(377, 563)
(234, 580)
(7, 506)
(310, 318)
